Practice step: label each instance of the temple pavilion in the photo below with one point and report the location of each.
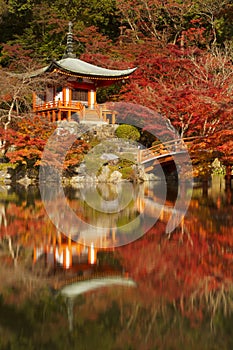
(72, 94)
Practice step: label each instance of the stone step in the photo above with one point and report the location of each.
(91, 115)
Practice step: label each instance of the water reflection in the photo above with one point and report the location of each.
(183, 295)
(104, 215)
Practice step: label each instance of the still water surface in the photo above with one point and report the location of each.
(136, 290)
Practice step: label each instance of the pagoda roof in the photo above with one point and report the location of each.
(76, 67)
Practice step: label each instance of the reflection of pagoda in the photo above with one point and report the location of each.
(61, 251)
(74, 97)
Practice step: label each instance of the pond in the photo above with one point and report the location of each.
(101, 269)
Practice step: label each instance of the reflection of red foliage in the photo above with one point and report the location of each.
(30, 224)
(174, 269)
(27, 224)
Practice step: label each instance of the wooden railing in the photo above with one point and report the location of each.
(59, 105)
(98, 109)
(168, 147)
(103, 113)
(53, 107)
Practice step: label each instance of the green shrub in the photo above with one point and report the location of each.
(128, 132)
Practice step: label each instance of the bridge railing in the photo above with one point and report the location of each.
(163, 148)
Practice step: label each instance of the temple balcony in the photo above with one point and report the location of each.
(74, 111)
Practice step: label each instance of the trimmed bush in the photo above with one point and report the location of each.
(128, 132)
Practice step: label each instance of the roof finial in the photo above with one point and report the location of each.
(69, 44)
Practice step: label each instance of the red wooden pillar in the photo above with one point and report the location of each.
(54, 115)
(64, 99)
(59, 115)
(70, 97)
(59, 110)
(113, 117)
(89, 98)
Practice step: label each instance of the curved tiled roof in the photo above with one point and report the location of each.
(77, 67)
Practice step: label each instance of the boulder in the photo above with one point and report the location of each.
(115, 177)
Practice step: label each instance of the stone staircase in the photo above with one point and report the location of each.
(91, 117)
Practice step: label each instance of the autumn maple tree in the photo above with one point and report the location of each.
(188, 86)
(25, 144)
(182, 51)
